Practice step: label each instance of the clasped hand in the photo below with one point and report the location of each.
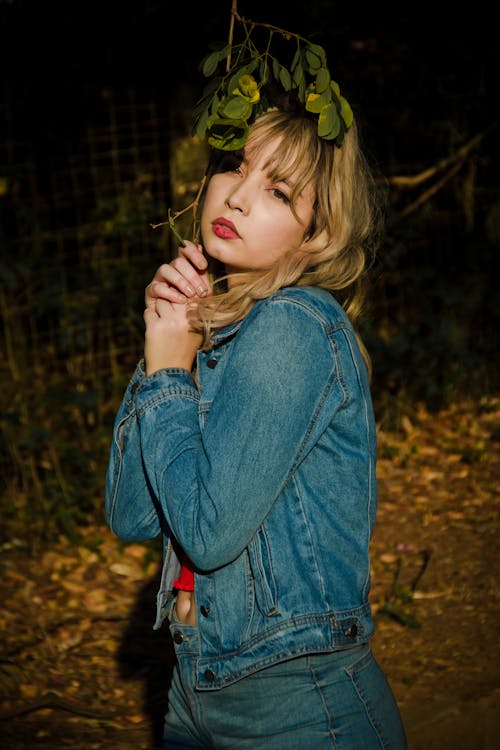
(170, 340)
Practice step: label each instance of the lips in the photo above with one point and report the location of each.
(224, 229)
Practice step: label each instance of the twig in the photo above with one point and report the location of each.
(192, 206)
(426, 556)
(430, 192)
(234, 13)
(403, 181)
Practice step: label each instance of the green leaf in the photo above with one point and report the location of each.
(207, 97)
(276, 69)
(298, 75)
(296, 60)
(248, 89)
(201, 105)
(315, 56)
(201, 125)
(228, 135)
(236, 108)
(224, 52)
(214, 105)
(217, 45)
(212, 86)
(285, 79)
(209, 64)
(316, 102)
(252, 65)
(171, 223)
(346, 112)
(199, 108)
(322, 80)
(233, 81)
(336, 88)
(318, 50)
(329, 122)
(335, 95)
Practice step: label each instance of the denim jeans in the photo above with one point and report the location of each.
(338, 700)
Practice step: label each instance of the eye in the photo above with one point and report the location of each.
(280, 195)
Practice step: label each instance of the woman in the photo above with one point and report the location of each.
(247, 437)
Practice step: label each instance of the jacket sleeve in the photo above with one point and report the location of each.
(130, 506)
(216, 486)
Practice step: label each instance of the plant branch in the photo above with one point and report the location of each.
(234, 14)
(193, 206)
(403, 181)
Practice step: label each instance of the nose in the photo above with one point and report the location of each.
(238, 198)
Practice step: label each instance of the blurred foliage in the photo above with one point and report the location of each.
(77, 248)
(72, 323)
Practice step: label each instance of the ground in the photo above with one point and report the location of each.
(82, 668)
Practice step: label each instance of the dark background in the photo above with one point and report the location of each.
(94, 144)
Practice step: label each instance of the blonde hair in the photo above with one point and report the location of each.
(336, 249)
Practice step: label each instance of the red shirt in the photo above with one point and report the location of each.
(185, 582)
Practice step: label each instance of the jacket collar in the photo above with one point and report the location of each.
(226, 333)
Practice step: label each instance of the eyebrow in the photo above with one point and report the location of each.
(270, 165)
(285, 180)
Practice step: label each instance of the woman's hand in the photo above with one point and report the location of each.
(184, 278)
(170, 341)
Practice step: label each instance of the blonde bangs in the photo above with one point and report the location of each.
(299, 152)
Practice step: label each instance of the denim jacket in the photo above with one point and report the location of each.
(263, 472)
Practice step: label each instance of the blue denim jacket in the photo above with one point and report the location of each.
(263, 472)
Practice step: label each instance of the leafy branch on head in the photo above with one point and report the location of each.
(247, 79)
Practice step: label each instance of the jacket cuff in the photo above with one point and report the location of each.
(165, 383)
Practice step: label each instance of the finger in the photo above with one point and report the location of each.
(194, 253)
(162, 290)
(173, 284)
(190, 281)
(162, 272)
(158, 285)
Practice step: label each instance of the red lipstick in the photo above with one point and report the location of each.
(224, 229)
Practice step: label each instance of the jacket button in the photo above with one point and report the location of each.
(209, 675)
(352, 631)
(212, 362)
(178, 637)
(204, 610)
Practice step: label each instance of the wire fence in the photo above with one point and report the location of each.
(77, 249)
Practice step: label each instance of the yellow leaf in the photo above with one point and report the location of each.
(28, 691)
(129, 571)
(135, 719)
(388, 558)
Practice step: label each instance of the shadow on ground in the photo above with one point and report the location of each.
(147, 655)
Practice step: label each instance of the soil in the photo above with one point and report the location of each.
(82, 668)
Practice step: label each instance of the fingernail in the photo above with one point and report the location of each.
(202, 291)
(189, 289)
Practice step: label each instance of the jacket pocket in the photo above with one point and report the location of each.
(266, 590)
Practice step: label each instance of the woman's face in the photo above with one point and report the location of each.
(247, 222)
